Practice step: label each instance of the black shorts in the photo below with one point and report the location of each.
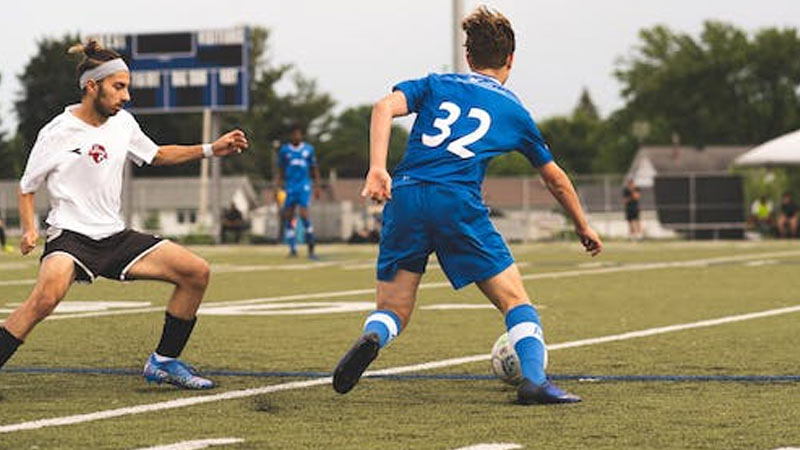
(110, 257)
(632, 213)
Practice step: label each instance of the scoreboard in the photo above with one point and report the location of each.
(186, 71)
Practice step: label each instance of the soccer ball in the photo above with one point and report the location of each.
(505, 363)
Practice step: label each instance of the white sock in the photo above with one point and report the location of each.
(162, 359)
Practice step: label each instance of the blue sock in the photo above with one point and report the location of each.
(385, 323)
(525, 335)
(291, 237)
(309, 233)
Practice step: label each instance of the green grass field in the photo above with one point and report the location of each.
(266, 313)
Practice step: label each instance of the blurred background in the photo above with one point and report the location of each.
(683, 98)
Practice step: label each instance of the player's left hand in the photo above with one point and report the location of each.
(317, 193)
(232, 141)
(590, 240)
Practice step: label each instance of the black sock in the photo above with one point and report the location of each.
(175, 335)
(2, 237)
(8, 345)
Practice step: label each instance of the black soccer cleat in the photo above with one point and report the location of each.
(529, 393)
(355, 362)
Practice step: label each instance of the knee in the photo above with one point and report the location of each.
(197, 274)
(202, 273)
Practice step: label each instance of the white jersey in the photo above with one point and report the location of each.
(83, 167)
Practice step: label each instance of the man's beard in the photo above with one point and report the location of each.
(101, 109)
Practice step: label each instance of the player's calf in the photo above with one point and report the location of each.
(525, 335)
(291, 238)
(41, 304)
(310, 241)
(33, 310)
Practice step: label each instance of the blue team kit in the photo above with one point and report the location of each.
(296, 162)
(463, 121)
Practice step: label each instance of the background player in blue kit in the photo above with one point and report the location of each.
(434, 201)
(296, 164)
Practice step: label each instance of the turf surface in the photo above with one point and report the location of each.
(628, 288)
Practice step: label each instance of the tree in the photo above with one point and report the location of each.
(5, 157)
(266, 122)
(49, 83)
(574, 141)
(11, 160)
(722, 88)
(586, 107)
(616, 144)
(573, 138)
(510, 164)
(347, 149)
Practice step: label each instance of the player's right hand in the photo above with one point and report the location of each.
(378, 185)
(28, 241)
(232, 141)
(590, 240)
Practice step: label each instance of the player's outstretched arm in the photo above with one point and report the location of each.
(561, 187)
(28, 221)
(230, 142)
(378, 185)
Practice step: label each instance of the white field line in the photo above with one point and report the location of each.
(678, 327)
(493, 446)
(16, 265)
(18, 282)
(662, 265)
(764, 262)
(196, 445)
(590, 267)
(172, 404)
(243, 393)
(431, 266)
(443, 284)
(235, 268)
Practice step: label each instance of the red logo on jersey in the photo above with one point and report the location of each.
(98, 153)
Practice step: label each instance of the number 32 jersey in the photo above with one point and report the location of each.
(463, 121)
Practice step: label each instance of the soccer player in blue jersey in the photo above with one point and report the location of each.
(296, 164)
(433, 202)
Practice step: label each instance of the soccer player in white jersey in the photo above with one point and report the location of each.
(80, 156)
(433, 201)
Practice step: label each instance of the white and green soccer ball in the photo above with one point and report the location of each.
(505, 363)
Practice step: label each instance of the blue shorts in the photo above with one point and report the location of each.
(451, 221)
(298, 197)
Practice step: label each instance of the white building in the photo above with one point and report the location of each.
(164, 205)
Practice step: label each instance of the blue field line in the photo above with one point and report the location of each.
(440, 376)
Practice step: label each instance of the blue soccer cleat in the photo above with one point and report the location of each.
(529, 393)
(174, 372)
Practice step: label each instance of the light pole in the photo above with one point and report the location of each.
(459, 58)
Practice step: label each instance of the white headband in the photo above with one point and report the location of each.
(102, 71)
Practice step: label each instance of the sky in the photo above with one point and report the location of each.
(357, 49)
